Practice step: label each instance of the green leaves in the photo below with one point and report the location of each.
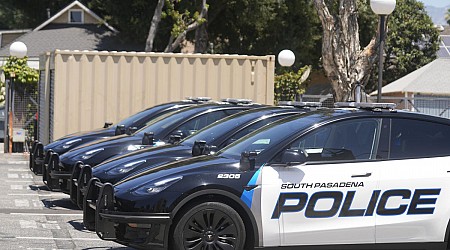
(411, 42)
(18, 69)
(290, 84)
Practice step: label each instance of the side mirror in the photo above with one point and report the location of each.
(131, 130)
(120, 130)
(294, 157)
(148, 138)
(198, 148)
(107, 124)
(174, 139)
(247, 161)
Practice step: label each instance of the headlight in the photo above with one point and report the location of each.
(134, 147)
(156, 187)
(69, 143)
(91, 153)
(125, 168)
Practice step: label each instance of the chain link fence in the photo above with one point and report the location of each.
(25, 106)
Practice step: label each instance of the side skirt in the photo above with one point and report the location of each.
(393, 246)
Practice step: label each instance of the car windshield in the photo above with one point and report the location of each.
(131, 120)
(271, 134)
(167, 120)
(224, 126)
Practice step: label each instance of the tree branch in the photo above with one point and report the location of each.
(154, 26)
(181, 37)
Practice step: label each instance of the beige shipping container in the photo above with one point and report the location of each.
(81, 90)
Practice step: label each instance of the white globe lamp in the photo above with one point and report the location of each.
(382, 7)
(286, 58)
(18, 49)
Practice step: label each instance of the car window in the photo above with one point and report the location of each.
(340, 141)
(416, 138)
(253, 127)
(272, 134)
(200, 122)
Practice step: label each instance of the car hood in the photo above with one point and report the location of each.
(72, 141)
(133, 163)
(109, 147)
(190, 166)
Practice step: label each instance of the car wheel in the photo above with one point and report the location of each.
(210, 225)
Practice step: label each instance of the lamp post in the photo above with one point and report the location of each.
(383, 8)
(19, 50)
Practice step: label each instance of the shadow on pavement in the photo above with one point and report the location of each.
(59, 203)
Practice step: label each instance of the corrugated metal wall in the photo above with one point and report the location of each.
(93, 87)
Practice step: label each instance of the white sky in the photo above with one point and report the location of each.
(436, 3)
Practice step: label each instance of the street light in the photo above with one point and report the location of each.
(383, 8)
(286, 58)
(19, 50)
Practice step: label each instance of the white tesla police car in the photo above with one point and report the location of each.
(368, 177)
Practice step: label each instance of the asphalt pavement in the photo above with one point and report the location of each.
(31, 217)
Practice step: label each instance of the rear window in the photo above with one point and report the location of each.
(417, 139)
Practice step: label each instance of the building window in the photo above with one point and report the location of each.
(76, 16)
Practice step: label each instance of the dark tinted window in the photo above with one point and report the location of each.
(346, 140)
(139, 119)
(247, 130)
(269, 135)
(200, 122)
(415, 139)
(224, 126)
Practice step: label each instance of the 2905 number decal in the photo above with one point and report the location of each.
(228, 176)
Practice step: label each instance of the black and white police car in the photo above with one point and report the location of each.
(351, 178)
(127, 125)
(159, 131)
(212, 138)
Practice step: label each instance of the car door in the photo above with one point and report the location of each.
(414, 184)
(327, 200)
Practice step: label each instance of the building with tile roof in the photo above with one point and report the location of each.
(73, 28)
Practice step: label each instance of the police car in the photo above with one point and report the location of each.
(160, 131)
(127, 125)
(352, 178)
(212, 138)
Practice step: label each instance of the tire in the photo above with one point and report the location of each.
(210, 225)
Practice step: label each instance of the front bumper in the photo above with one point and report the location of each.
(79, 179)
(53, 176)
(37, 158)
(139, 230)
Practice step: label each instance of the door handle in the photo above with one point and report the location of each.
(361, 175)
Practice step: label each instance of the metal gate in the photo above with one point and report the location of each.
(25, 106)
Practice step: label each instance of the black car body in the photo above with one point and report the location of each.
(134, 122)
(175, 124)
(234, 200)
(214, 137)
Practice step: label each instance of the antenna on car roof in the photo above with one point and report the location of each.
(365, 105)
(300, 104)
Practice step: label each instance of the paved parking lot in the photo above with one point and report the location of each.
(34, 218)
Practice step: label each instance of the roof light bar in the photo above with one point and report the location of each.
(365, 105)
(199, 99)
(237, 101)
(299, 104)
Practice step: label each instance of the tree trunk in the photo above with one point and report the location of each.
(175, 42)
(154, 26)
(343, 60)
(201, 37)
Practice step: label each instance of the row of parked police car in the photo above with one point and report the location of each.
(198, 174)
